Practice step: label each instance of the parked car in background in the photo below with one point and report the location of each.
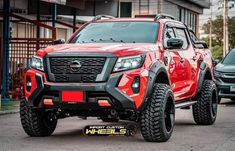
(225, 76)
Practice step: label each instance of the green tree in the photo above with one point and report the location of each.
(217, 52)
(217, 30)
(214, 41)
(217, 49)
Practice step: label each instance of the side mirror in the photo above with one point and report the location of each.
(174, 43)
(59, 41)
(215, 62)
(198, 44)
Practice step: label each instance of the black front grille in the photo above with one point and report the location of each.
(87, 71)
(228, 80)
(228, 77)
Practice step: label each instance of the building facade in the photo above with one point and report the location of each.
(187, 11)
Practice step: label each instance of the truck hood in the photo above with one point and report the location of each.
(118, 49)
(225, 68)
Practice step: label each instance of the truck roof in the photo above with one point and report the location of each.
(138, 19)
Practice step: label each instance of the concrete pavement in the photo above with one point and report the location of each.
(187, 136)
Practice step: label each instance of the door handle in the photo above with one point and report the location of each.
(181, 60)
(165, 60)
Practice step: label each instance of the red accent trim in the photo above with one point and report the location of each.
(72, 96)
(126, 82)
(41, 53)
(32, 76)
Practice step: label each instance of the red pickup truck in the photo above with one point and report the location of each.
(138, 69)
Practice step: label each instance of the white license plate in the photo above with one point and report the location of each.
(232, 88)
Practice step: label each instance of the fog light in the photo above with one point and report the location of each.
(136, 85)
(48, 102)
(104, 103)
(28, 83)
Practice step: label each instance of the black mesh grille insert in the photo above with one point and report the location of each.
(228, 77)
(228, 80)
(75, 69)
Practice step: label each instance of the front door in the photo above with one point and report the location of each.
(190, 62)
(176, 68)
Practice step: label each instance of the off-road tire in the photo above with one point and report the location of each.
(158, 118)
(205, 110)
(36, 122)
(110, 120)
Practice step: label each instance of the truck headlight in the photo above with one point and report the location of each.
(218, 74)
(130, 62)
(37, 63)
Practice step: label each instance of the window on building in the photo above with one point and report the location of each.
(188, 17)
(194, 22)
(190, 20)
(125, 9)
(180, 14)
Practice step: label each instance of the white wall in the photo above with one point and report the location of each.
(153, 6)
(170, 8)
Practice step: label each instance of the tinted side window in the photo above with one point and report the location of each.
(180, 33)
(193, 37)
(168, 33)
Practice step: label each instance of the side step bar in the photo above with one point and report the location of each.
(184, 104)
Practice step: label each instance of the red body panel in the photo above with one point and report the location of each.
(32, 74)
(72, 96)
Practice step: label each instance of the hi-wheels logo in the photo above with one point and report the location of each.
(110, 130)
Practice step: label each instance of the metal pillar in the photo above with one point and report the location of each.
(225, 28)
(74, 19)
(38, 19)
(6, 49)
(210, 35)
(94, 8)
(54, 14)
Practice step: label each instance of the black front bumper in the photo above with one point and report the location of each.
(93, 91)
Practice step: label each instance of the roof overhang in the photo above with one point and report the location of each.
(193, 5)
(201, 3)
(62, 2)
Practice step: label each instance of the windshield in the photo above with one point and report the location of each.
(112, 32)
(230, 58)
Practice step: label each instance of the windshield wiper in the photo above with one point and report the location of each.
(111, 40)
(104, 40)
